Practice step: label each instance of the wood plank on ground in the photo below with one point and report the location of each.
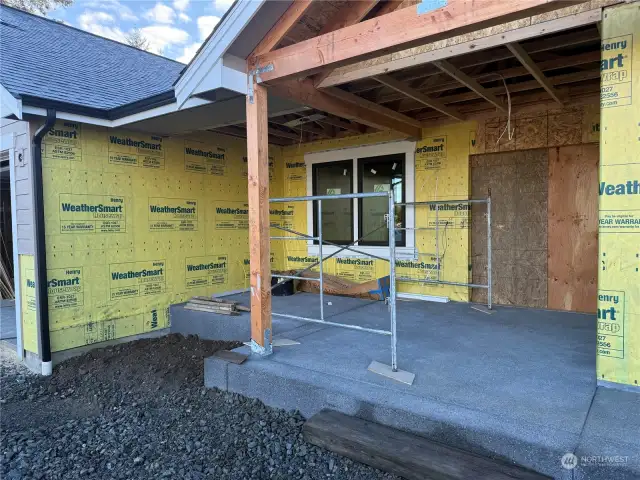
(402, 453)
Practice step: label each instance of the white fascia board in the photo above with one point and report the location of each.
(220, 76)
(136, 117)
(9, 105)
(213, 50)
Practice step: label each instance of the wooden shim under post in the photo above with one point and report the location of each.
(402, 453)
(258, 178)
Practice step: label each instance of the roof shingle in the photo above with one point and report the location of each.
(49, 60)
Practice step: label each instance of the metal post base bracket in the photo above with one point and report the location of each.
(257, 349)
(386, 371)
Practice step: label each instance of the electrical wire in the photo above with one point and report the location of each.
(507, 129)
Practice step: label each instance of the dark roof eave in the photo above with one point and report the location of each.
(160, 100)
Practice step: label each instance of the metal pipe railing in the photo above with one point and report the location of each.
(439, 280)
(390, 224)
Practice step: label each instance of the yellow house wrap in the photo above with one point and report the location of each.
(619, 218)
(137, 222)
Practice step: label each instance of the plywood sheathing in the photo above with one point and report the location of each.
(573, 228)
(553, 127)
(518, 184)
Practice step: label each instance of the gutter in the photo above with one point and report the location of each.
(41, 251)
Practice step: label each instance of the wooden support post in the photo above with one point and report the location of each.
(259, 231)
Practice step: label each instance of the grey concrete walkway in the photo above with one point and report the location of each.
(8, 321)
(518, 384)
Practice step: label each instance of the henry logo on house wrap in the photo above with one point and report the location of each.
(610, 336)
(431, 153)
(200, 157)
(135, 279)
(206, 270)
(173, 214)
(615, 71)
(62, 142)
(136, 150)
(92, 213)
(65, 287)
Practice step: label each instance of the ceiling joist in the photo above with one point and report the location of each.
(534, 70)
(419, 97)
(470, 83)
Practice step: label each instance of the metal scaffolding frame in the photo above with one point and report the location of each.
(439, 281)
(391, 300)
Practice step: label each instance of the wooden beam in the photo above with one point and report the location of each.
(470, 83)
(355, 108)
(419, 97)
(355, 12)
(459, 45)
(534, 70)
(284, 24)
(394, 31)
(404, 454)
(259, 230)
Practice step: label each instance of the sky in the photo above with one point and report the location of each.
(174, 28)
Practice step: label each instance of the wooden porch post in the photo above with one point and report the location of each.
(259, 231)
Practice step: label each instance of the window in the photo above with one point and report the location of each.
(380, 174)
(375, 168)
(334, 178)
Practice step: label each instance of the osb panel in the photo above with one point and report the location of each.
(531, 132)
(518, 185)
(573, 228)
(551, 128)
(565, 126)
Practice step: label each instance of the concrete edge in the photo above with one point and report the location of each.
(619, 386)
(292, 388)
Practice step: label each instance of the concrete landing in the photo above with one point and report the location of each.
(518, 384)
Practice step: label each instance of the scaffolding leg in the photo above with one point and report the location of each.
(489, 281)
(320, 260)
(392, 281)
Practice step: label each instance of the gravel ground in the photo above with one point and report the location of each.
(138, 410)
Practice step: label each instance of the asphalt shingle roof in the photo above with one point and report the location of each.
(47, 59)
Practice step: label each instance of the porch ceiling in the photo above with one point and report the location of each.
(562, 68)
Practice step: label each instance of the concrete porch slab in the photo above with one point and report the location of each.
(517, 385)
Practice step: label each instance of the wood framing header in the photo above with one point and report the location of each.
(391, 32)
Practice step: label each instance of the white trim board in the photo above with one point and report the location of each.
(7, 143)
(215, 47)
(9, 105)
(388, 148)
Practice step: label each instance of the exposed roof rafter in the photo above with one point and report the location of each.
(470, 83)
(419, 97)
(534, 70)
(283, 26)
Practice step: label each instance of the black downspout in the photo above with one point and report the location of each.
(41, 249)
